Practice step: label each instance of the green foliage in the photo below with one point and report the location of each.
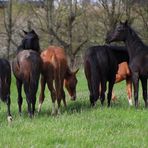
(79, 125)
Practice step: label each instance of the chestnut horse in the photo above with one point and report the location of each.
(26, 68)
(5, 81)
(124, 73)
(55, 69)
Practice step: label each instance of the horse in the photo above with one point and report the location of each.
(124, 73)
(100, 66)
(138, 56)
(56, 69)
(26, 69)
(5, 82)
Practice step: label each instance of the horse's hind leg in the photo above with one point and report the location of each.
(53, 95)
(42, 96)
(20, 99)
(110, 89)
(136, 87)
(28, 98)
(33, 104)
(103, 89)
(8, 102)
(129, 90)
(144, 88)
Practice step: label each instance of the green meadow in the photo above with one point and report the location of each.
(79, 125)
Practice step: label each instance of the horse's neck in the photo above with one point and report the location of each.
(133, 43)
(67, 73)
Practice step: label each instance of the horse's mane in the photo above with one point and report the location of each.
(117, 48)
(137, 40)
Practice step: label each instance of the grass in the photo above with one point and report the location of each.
(79, 125)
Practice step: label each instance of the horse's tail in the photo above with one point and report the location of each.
(34, 77)
(95, 77)
(57, 75)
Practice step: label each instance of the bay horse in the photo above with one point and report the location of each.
(56, 69)
(26, 68)
(124, 73)
(5, 82)
(138, 54)
(100, 66)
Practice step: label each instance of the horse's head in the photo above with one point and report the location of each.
(70, 83)
(118, 34)
(30, 41)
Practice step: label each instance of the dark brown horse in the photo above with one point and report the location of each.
(5, 81)
(55, 69)
(124, 73)
(100, 66)
(26, 68)
(138, 54)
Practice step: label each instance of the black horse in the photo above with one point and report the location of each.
(26, 68)
(100, 66)
(138, 53)
(5, 81)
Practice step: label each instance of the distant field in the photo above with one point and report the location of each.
(79, 126)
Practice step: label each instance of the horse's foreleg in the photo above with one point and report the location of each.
(42, 96)
(144, 88)
(135, 79)
(129, 90)
(63, 97)
(20, 99)
(119, 78)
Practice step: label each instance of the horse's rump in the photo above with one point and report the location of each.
(27, 64)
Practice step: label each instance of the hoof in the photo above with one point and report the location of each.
(130, 102)
(53, 113)
(9, 118)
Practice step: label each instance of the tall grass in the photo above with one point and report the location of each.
(79, 125)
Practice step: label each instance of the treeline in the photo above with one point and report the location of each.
(72, 24)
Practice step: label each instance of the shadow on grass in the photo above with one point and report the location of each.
(79, 106)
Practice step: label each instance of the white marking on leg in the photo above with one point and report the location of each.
(130, 102)
(9, 118)
(39, 107)
(59, 112)
(53, 109)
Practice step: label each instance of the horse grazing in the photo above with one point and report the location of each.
(138, 54)
(124, 73)
(5, 82)
(100, 66)
(55, 69)
(26, 68)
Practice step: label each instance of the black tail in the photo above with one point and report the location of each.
(95, 78)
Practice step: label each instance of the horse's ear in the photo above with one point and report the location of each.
(32, 31)
(126, 23)
(25, 32)
(75, 72)
(121, 22)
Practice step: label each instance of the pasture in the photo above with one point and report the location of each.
(79, 125)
